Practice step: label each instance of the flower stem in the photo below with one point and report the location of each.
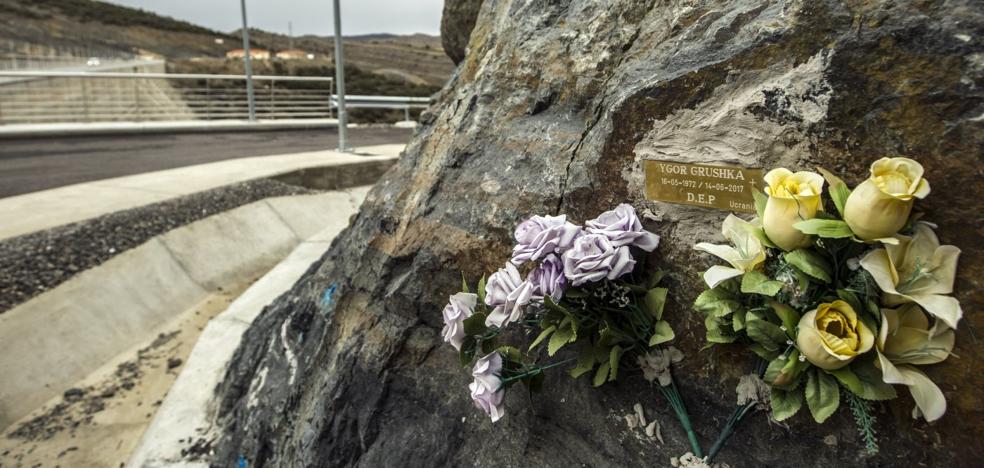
(736, 417)
(534, 371)
(672, 395)
(729, 429)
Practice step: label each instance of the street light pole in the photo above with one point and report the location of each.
(340, 81)
(249, 65)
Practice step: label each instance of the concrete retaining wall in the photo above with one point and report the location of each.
(57, 338)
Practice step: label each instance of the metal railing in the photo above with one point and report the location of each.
(354, 101)
(19, 61)
(86, 96)
(82, 96)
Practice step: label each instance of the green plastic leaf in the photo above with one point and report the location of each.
(788, 316)
(829, 228)
(864, 380)
(717, 302)
(464, 283)
(467, 351)
(510, 353)
(763, 353)
(481, 290)
(785, 403)
(785, 372)
(655, 278)
(585, 362)
(602, 374)
(811, 263)
(759, 234)
(738, 320)
(764, 332)
(559, 338)
(837, 189)
(655, 301)
(475, 325)
(542, 336)
(613, 358)
(760, 201)
(755, 282)
(661, 333)
(716, 331)
(822, 395)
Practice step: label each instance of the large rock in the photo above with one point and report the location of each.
(552, 110)
(457, 22)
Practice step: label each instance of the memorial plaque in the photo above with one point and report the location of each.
(723, 187)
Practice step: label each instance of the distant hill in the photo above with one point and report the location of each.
(417, 58)
(93, 28)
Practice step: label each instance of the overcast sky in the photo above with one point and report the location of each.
(307, 16)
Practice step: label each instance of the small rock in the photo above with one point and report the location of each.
(173, 362)
(830, 440)
(640, 414)
(74, 394)
(631, 421)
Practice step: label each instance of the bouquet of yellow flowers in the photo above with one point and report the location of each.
(840, 296)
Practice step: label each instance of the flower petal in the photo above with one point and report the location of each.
(723, 251)
(945, 308)
(929, 399)
(878, 264)
(717, 274)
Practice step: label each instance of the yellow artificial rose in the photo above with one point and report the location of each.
(917, 269)
(880, 206)
(831, 336)
(906, 339)
(793, 197)
(744, 255)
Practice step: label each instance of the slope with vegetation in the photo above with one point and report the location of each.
(87, 27)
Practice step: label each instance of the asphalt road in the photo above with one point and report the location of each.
(39, 164)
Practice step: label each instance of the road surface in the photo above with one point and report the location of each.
(38, 164)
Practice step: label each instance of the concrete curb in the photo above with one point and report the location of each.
(57, 338)
(47, 209)
(13, 131)
(187, 412)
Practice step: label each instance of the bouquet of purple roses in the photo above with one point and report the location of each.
(582, 290)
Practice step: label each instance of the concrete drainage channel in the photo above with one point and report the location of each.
(86, 365)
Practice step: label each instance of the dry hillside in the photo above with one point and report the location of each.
(92, 28)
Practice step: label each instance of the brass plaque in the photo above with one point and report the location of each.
(723, 187)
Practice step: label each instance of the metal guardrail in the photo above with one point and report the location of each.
(85, 96)
(353, 101)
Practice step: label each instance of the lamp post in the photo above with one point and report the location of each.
(340, 81)
(249, 65)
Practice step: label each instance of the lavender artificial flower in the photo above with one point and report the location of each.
(492, 403)
(622, 227)
(460, 307)
(486, 371)
(540, 236)
(487, 390)
(548, 279)
(507, 294)
(594, 258)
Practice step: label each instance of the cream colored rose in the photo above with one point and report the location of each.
(793, 197)
(880, 206)
(744, 254)
(905, 340)
(831, 336)
(917, 269)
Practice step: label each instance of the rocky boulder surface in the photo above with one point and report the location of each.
(457, 22)
(552, 111)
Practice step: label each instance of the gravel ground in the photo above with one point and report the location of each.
(33, 263)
